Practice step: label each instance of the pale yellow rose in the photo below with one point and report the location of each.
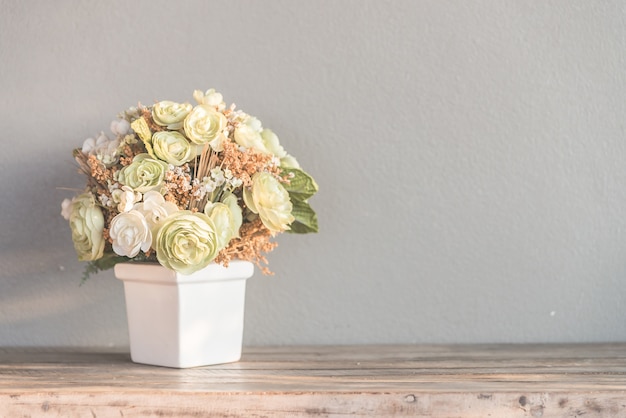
(87, 224)
(172, 147)
(270, 200)
(271, 143)
(248, 134)
(170, 114)
(205, 125)
(186, 242)
(143, 174)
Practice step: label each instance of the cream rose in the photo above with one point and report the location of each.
(211, 98)
(186, 242)
(87, 224)
(248, 134)
(143, 174)
(172, 147)
(270, 200)
(125, 198)
(205, 125)
(271, 143)
(130, 233)
(170, 114)
(288, 161)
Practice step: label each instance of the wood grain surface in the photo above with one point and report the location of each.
(583, 380)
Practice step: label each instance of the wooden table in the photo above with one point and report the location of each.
(418, 381)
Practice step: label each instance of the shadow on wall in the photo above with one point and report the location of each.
(42, 302)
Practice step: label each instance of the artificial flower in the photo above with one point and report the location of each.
(211, 98)
(125, 198)
(87, 223)
(248, 134)
(186, 242)
(143, 174)
(172, 147)
(120, 127)
(271, 144)
(186, 186)
(205, 125)
(170, 114)
(270, 200)
(130, 233)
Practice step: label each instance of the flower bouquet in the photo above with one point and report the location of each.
(186, 186)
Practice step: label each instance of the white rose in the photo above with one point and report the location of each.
(130, 233)
(105, 149)
(125, 198)
(211, 98)
(155, 208)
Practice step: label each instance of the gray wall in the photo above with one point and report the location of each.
(471, 158)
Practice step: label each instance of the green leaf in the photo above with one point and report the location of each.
(107, 262)
(301, 186)
(306, 219)
(104, 263)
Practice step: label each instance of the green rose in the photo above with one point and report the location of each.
(170, 114)
(87, 224)
(186, 242)
(143, 174)
(205, 125)
(172, 147)
(270, 200)
(227, 218)
(231, 201)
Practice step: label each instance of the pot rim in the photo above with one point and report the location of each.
(149, 272)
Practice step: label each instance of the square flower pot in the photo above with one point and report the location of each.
(177, 320)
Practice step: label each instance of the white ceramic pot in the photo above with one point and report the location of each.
(178, 320)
